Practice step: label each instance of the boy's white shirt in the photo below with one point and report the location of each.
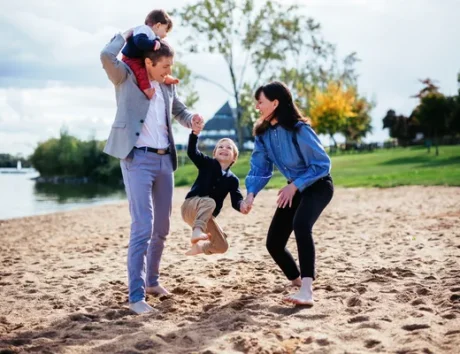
(144, 29)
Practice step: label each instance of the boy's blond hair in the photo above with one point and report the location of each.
(234, 148)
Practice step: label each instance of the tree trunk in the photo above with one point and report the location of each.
(239, 128)
(436, 143)
(335, 142)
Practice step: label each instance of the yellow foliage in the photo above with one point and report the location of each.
(329, 108)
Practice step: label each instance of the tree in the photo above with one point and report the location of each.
(402, 128)
(10, 161)
(433, 113)
(428, 89)
(453, 121)
(359, 124)
(266, 38)
(330, 109)
(187, 90)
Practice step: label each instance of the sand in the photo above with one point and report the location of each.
(388, 281)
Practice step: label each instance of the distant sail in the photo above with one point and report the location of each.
(19, 165)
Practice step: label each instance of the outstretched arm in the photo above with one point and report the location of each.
(261, 168)
(236, 196)
(260, 173)
(197, 157)
(115, 69)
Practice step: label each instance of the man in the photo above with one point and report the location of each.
(142, 137)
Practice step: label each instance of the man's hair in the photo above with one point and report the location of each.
(155, 55)
(233, 145)
(159, 16)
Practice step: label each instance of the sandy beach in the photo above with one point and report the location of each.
(388, 281)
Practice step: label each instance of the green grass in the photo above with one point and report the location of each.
(381, 168)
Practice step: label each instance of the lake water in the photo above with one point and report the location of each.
(21, 196)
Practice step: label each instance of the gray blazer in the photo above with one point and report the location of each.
(132, 105)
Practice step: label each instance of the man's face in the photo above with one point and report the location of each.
(159, 71)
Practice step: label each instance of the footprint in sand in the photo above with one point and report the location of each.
(413, 327)
(354, 301)
(371, 343)
(358, 319)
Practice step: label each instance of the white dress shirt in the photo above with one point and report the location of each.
(154, 132)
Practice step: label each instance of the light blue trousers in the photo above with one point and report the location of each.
(149, 181)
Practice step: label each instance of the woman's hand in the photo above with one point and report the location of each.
(248, 203)
(285, 195)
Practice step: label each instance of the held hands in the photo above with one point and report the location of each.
(197, 124)
(246, 205)
(285, 195)
(244, 208)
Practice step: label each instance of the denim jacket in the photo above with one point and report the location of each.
(277, 147)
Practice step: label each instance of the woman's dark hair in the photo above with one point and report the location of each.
(286, 113)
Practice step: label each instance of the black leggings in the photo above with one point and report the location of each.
(306, 208)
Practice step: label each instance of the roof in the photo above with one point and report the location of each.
(224, 120)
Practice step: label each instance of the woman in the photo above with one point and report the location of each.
(285, 139)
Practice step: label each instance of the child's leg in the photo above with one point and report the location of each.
(217, 239)
(169, 80)
(197, 212)
(137, 65)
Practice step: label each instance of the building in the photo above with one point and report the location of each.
(223, 125)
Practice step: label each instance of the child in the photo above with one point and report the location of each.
(146, 37)
(204, 201)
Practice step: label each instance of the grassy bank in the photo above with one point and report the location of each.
(381, 168)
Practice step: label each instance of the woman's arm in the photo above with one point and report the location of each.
(316, 159)
(261, 169)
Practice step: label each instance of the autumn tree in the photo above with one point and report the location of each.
(359, 124)
(330, 109)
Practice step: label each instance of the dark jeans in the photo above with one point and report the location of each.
(306, 208)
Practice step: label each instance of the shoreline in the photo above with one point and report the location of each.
(387, 262)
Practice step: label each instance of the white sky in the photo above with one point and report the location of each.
(50, 74)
